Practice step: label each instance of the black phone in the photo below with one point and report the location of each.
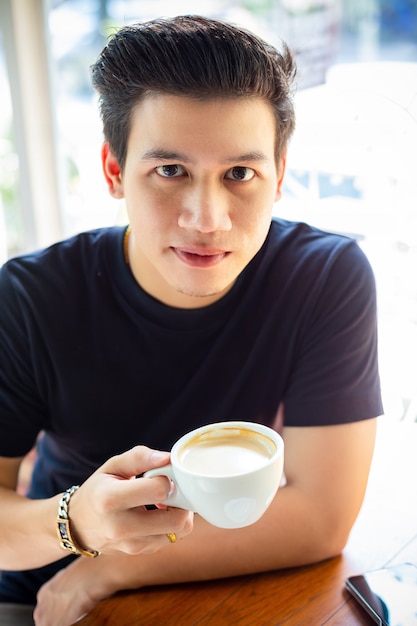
(389, 595)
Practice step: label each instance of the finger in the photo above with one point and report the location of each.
(145, 531)
(141, 521)
(176, 522)
(160, 521)
(151, 545)
(135, 461)
(116, 494)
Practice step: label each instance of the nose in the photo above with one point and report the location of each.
(206, 208)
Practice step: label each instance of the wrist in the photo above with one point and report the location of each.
(122, 572)
(67, 538)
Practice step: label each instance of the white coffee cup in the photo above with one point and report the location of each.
(227, 472)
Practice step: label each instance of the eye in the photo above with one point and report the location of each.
(240, 174)
(170, 171)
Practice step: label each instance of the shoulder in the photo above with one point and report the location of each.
(58, 262)
(307, 275)
(88, 242)
(301, 248)
(56, 279)
(303, 239)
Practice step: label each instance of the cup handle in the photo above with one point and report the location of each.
(176, 498)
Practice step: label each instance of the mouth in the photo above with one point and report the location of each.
(200, 257)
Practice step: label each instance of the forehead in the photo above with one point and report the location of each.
(215, 126)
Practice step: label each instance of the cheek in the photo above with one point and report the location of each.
(262, 230)
(257, 221)
(149, 208)
(255, 211)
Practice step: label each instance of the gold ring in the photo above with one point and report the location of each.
(172, 537)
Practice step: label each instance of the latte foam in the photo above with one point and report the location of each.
(226, 454)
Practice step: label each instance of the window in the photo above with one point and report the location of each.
(10, 218)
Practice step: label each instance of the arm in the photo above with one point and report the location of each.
(309, 520)
(108, 507)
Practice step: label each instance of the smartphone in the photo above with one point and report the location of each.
(389, 595)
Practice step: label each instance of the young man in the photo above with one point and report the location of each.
(203, 310)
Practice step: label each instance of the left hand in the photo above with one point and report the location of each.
(71, 594)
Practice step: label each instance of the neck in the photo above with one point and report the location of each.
(126, 245)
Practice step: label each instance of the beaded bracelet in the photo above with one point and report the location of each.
(63, 526)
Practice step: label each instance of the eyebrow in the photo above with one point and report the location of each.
(157, 154)
(248, 156)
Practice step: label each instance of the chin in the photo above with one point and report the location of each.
(202, 294)
(210, 293)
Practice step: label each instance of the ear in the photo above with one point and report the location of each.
(112, 172)
(280, 171)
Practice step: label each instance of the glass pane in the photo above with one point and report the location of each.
(11, 232)
(351, 169)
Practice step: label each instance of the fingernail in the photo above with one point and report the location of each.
(157, 456)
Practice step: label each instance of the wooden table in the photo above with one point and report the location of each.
(385, 533)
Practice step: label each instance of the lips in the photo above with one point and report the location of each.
(200, 257)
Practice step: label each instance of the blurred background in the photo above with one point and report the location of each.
(352, 161)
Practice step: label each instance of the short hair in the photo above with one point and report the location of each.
(190, 56)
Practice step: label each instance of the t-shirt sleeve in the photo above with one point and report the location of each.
(21, 408)
(335, 376)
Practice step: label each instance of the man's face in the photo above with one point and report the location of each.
(199, 183)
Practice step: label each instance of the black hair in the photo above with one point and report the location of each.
(190, 56)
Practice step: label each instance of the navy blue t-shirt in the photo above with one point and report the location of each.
(98, 365)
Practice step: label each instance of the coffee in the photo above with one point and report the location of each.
(227, 472)
(226, 452)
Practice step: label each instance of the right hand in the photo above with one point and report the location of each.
(108, 511)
